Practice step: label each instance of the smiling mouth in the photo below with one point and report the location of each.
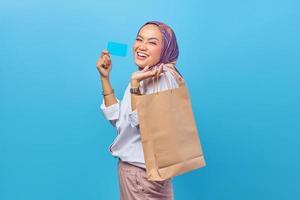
(141, 55)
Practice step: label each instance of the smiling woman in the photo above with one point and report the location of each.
(155, 52)
(148, 46)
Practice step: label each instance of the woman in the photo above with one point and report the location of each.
(155, 53)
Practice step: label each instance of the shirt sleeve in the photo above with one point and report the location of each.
(111, 112)
(162, 85)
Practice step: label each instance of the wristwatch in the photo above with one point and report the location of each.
(135, 90)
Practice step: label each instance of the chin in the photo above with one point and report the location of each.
(141, 64)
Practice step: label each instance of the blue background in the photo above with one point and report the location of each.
(240, 60)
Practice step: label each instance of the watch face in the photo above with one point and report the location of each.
(135, 90)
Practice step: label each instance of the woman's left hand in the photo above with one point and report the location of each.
(146, 73)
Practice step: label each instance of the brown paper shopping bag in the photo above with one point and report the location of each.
(169, 134)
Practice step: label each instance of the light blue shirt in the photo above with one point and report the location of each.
(127, 145)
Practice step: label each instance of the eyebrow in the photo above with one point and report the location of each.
(149, 38)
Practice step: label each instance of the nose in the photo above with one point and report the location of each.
(142, 47)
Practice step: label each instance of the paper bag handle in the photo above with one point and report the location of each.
(166, 79)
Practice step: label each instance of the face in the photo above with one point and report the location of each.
(148, 46)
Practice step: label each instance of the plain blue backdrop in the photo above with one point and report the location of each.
(240, 60)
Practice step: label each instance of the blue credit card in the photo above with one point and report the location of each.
(117, 49)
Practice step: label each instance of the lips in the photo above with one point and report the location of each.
(141, 55)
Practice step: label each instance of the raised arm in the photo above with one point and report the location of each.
(138, 76)
(104, 66)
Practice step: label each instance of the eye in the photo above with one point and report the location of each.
(138, 39)
(153, 43)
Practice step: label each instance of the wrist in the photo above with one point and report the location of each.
(104, 78)
(108, 93)
(135, 83)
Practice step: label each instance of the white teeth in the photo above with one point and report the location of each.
(141, 54)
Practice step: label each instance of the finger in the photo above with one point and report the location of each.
(106, 57)
(104, 64)
(108, 60)
(104, 52)
(148, 74)
(157, 72)
(152, 73)
(145, 68)
(100, 61)
(160, 69)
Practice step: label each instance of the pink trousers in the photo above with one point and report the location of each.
(134, 184)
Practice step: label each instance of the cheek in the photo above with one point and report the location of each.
(134, 46)
(156, 51)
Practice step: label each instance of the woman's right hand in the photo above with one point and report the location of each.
(104, 64)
